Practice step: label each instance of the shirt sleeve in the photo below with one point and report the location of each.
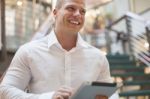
(17, 79)
(11, 92)
(104, 76)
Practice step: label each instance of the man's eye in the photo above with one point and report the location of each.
(83, 12)
(70, 8)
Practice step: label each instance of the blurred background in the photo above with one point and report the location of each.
(120, 28)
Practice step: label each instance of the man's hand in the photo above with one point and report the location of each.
(63, 93)
(101, 97)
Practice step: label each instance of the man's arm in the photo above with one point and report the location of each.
(17, 79)
(104, 76)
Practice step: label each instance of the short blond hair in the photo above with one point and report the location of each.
(59, 4)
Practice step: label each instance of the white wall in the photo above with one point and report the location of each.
(139, 5)
(121, 7)
(146, 15)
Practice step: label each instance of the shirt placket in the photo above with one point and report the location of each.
(67, 69)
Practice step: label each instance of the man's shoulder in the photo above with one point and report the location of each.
(35, 44)
(94, 50)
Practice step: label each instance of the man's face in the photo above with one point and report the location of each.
(70, 16)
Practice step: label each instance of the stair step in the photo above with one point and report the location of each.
(118, 56)
(121, 63)
(135, 93)
(122, 66)
(118, 60)
(132, 83)
(127, 67)
(130, 74)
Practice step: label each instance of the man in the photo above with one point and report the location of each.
(56, 65)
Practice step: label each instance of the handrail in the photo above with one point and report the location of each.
(115, 22)
(139, 46)
(135, 46)
(145, 11)
(131, 15)
(143, 60)
(136, 17)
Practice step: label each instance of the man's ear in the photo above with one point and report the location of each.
(54, 12)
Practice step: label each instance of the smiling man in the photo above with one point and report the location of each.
(55, 66)
(69, 19)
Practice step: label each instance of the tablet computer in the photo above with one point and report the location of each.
(91, 90)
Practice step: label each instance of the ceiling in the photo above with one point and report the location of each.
(96, 3)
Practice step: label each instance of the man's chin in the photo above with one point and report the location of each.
(74, 29)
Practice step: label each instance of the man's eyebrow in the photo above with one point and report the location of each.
(75, 7)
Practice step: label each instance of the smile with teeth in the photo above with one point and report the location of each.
(75, 22)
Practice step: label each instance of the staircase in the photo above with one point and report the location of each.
(134, 77)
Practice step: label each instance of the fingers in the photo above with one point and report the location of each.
(66, 90)
(63, 93)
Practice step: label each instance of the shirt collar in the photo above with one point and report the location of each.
(81, 43)
(52, 40)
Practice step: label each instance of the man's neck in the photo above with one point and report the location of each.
(67, 40)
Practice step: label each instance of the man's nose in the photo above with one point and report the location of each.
(77, 13)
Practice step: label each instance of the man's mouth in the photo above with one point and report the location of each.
(74, 22)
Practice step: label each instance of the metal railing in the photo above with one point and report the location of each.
(134, 36)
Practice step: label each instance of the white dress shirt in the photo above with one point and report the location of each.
(43, 66)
